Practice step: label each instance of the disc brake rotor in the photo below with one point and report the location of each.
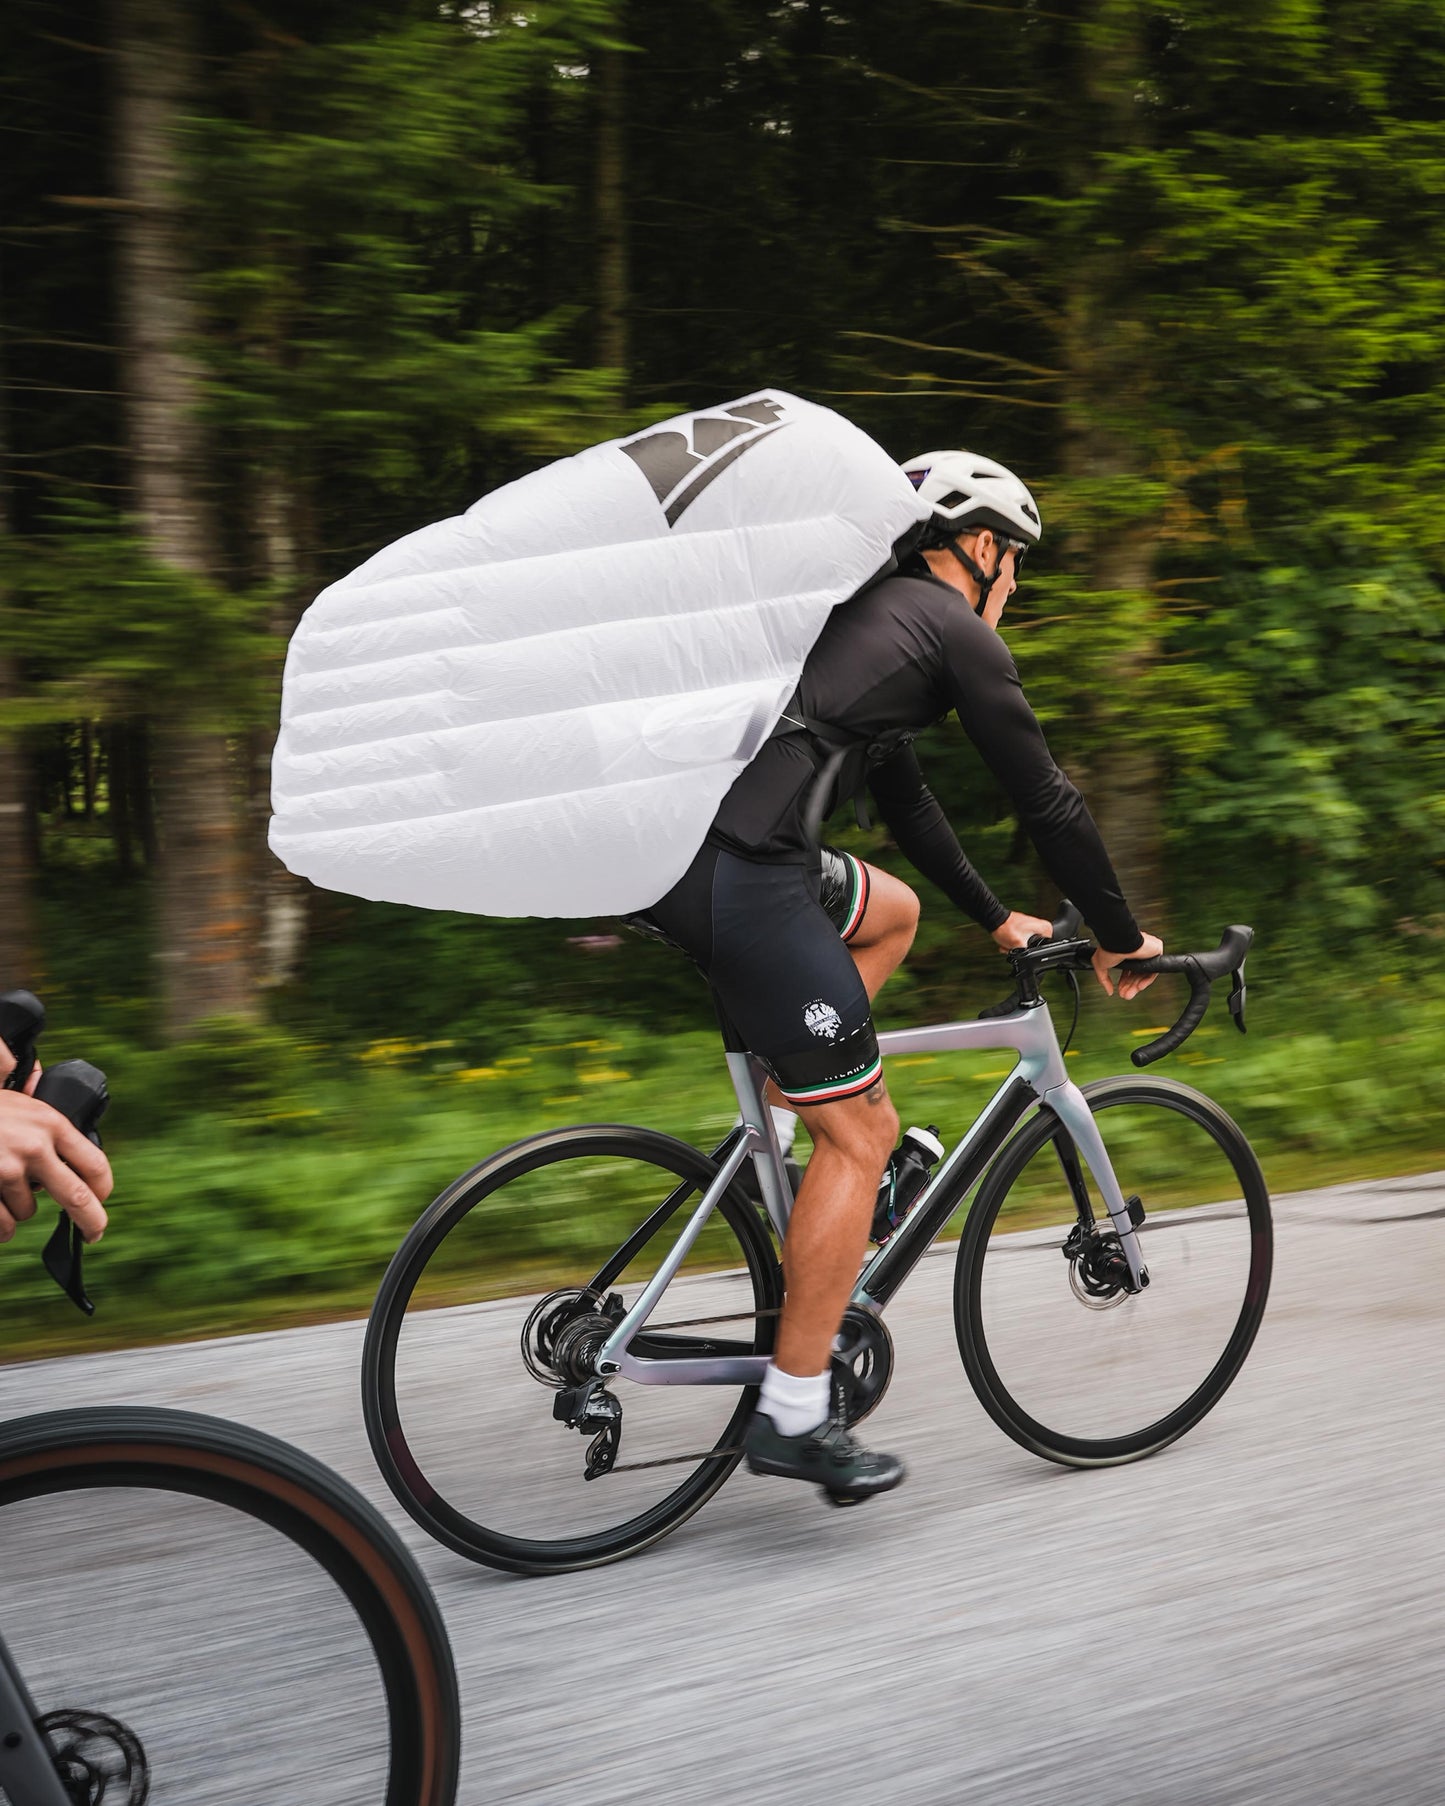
(99, 1760)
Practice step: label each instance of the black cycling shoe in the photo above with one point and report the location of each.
(827, 1456)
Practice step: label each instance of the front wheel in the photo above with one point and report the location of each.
(1066, 1359)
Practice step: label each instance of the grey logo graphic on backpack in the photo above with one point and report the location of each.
(680, 464)
(822, 1019)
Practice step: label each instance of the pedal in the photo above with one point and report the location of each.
(841, 1499)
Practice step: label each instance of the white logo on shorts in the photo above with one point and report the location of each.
(822, 1019)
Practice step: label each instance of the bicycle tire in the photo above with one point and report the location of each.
(400, 1464)
(1037, 1133)
(268, 1480)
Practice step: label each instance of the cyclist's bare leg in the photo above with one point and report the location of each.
(886, 932)
(828, 1230)
(879, 947)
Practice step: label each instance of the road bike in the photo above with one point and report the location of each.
(1079, 1347)
(193, 1603)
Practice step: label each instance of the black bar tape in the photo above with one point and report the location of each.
(1176, 1037)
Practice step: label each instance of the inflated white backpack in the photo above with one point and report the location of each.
(535, 709)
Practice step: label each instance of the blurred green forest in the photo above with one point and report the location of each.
(282, 281)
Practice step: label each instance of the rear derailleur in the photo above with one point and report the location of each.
(1098, 1267)
(591, 1408)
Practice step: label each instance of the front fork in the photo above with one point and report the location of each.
(1071, 1107)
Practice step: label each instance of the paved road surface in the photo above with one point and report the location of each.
(1257, 1615)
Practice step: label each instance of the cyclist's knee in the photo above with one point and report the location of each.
(892, 913)
(863, 1128)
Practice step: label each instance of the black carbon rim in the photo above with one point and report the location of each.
(1036, 1134)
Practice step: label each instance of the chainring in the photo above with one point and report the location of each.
(862, 1363)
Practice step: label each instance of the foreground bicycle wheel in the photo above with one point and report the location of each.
(1066, 1361)
(458, 1385)
(199, 1606)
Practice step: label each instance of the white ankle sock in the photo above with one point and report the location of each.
(795, 1404)
(785, 1122)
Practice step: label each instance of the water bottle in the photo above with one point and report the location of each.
(904, 1177)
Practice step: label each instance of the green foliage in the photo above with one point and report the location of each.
(360, 199)
(107, 629)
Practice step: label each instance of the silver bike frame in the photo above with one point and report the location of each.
(1038, 1077)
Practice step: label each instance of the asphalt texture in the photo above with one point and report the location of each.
(1255, 1614)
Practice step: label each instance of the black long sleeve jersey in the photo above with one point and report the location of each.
(895, 660)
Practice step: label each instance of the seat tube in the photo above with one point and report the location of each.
(749, 1078)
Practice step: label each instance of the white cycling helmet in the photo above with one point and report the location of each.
(969, 492)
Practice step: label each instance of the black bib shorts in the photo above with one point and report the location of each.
(770, 939)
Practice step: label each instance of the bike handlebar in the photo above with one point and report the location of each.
(1067, 947)
(1202, 970)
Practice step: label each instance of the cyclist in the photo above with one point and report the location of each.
(795, 941)
(39, 1147)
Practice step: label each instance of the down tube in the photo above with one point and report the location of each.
(952, 1183)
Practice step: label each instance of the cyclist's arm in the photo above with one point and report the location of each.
(916, 821)
(986, 691)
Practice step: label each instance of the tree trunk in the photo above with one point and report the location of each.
(202, 923)
(1107, 431)
(19, 953)
(282, 899)
(611, 203)
(203, 952)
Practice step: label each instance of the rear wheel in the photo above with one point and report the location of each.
(458, 1385)
(1062, 1355)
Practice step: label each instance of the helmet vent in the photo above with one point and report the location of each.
(952, 499)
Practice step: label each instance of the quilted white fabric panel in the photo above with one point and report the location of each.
(536, 708)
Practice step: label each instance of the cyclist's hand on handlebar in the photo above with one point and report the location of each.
(39, 1147)
(1149, 948)
(1018, 930)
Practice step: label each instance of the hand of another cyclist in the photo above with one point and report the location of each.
(1129, 988)
(39, 1147)
(1017, 930)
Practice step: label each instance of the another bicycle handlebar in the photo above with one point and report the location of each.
(78, 1091)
